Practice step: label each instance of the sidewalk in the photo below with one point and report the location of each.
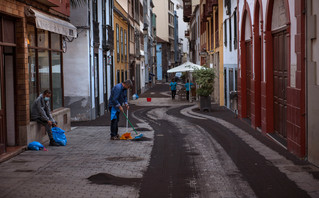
(64, 171)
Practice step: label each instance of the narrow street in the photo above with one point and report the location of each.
(185, 153)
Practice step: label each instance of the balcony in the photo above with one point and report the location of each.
(187, 5)
(96, 33)
(108, 37)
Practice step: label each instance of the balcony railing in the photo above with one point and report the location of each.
(96, 32)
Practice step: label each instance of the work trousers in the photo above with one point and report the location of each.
(47, 127)
(114, 124)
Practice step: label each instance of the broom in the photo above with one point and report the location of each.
(138, 136)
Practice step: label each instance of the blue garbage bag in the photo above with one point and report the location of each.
(35, 146)
(59, 136)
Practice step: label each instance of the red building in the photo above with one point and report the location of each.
(271, 83)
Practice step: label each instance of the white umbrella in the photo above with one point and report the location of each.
(186, 67)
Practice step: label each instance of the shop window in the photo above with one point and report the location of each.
(55, 41)
(43, 38)
(44, 70)
(57, 96)
(45, 65)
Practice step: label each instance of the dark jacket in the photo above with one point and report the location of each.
(40, 109)
(118, 96)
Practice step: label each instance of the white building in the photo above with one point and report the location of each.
(230, 49)
(88, 70)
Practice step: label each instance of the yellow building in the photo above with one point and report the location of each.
(121, 43)
(212, 17)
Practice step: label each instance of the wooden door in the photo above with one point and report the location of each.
(2, 105)
(280, 82)
(248, 78)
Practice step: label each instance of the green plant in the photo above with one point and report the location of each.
(205, 80)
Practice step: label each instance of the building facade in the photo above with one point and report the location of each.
(230, 52)
(88, 86)
(271, 80)
(312, 109)
(121, 55)
(31, 54)
(165, 34)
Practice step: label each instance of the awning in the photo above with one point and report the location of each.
(51, 23)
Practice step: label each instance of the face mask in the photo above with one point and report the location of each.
(46, 98)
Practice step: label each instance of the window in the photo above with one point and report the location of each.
(118, 76)
(56, 79)
(117, 43)
(225, 33)
(121, 44)
(125, 45)
(230, 39)
(45, 65)
(95, 10)
(103, 12)
(137, 14)
(110, 12)
(235, 29)
(122, 75)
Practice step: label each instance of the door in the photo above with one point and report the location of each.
(280, 78)
(2, 105)
(248, 78)
(96, 85)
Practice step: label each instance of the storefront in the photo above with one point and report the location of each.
(31, 51)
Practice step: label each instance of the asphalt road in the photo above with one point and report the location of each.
(217, 155)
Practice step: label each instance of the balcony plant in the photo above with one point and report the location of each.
(205, 78)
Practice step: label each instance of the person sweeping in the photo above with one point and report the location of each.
(118, 98)
(173, 85)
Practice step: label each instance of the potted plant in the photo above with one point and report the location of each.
(205, 81)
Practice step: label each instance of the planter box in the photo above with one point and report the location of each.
(204, 103)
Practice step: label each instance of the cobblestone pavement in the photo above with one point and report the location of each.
(63, 171)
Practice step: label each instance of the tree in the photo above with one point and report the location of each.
(205, 80)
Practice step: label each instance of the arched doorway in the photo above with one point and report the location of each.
(258, 64)
(246, 64)
(278, 56)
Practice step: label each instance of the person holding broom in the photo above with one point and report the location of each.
(118, 98)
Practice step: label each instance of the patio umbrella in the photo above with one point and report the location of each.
(186, 67)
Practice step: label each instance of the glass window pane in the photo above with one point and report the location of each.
(31, 35)
(55, 41)
(43, 38)
(56, 80)
(32, 75)
(44, 72)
